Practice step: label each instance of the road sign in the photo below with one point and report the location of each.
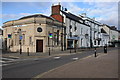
(20, 37)
(113, 36)
(9, 36)
(50, 35)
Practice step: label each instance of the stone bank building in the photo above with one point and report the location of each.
(36, 32)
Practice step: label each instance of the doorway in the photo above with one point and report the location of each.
(70, 44)
(39, 45)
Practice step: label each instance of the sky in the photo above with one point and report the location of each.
(104, 12)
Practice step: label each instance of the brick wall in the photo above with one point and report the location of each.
(56, 9)
(57, 17)
(56, 12)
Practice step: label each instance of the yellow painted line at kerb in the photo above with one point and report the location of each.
(40, 75)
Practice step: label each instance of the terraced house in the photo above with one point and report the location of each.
(81, 31)
(62, 30)
(113, 35)
(36, 32)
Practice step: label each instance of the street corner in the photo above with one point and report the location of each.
(98, 66)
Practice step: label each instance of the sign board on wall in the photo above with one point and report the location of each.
(9, 36)
(50, 35)
(20, 37)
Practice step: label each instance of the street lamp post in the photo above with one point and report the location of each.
(20, 37)
(75, 48)
(62, 33)
(20, 47)
(28, 51)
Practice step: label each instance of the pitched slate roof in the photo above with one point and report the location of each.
(35, 15)
(72, 16)
(111, 27)
(103, 31)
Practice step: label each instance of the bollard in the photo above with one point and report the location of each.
(20, 48)
(28, 51)
(49, 51)
(20, 51)
(75, 49)
(70, 50)
(105, 49)
(95, 52)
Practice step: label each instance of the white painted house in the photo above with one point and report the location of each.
(113, 34)
(77, 32)
(104, 37)
(82, 31)
(95, 26)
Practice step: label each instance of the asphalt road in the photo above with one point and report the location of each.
(32, 68)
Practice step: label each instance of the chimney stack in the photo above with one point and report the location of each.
(56, 9)
(55, 13)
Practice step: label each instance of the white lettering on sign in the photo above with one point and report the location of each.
(19, 25)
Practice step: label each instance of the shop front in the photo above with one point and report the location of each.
(72, 42)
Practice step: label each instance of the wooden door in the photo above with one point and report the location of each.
(39, 45)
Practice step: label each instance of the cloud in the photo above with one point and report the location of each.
(104, 12)
(74, 9)
(6, 17)
(60, 0)
(112, 20)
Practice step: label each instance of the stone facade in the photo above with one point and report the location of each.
(31, 38)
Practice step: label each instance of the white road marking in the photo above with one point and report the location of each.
(13, 56)
(76, 58)
(2, 61)
(4, 64)
(35, 59)
(8, 59)
(56, 57)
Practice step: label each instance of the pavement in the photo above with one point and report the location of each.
(105, 65)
